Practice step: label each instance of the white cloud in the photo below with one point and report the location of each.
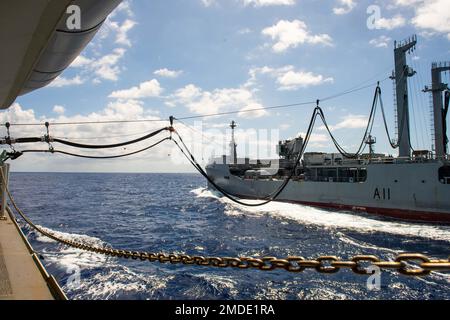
(244, 31)
(293, 80)
(15, 114)
(208, 3)
(106, 67)
(315, 137)
(121, 30)
(146, 89)
(345, 7)
(59, 109)
(290, 34)
(156, 159)
(255, 3)
(390, 23)
(218, 100)
(407, 2)
(380, 42)
(349, 121)
(250, 111)
(168, 73)
(266, 3)
(81, 61)
(64, 82)
(288, 78)
(124, 6)
(431, 16)
(317, 140)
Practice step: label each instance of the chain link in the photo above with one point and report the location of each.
(411, 264)
(294, 264)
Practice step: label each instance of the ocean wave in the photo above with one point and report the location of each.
(329, 218)
(68, 257)
(119, 282)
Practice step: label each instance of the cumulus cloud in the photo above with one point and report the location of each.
(255, 3)
(119, 23)
(146, 89)
(288, 78)
(168, 73)
(317, 140)
(390, 23)
(93, 133)
(164, 158)
(106, 67)
(81, 61)
(293, 80)
(121, 30)
(345, 6)
(349, 121)
(431, 16)
(96, 65)
(290, 34)
(64, 82)
(380, 42)
(266, 3)
(208, 3)
(59, 109)
(203, 102)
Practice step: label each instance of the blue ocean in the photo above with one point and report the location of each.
(176, 213)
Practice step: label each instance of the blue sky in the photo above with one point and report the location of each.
(153, 59)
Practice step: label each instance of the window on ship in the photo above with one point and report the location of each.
(336, 174)
(444, 174)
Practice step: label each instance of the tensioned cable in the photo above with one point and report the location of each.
(92, 157)
(89, 146)
(108, 146)
(269, 198)
(366, 133)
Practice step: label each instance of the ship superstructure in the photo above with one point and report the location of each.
(415, 185)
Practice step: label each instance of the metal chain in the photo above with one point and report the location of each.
(324, 264)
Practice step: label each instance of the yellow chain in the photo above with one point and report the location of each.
(296, 264)
(322, 264)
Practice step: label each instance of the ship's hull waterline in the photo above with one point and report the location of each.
(410, 191)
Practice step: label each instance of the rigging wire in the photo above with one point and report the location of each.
(19, 153)
(102, 137)
(269, 198)
(412, 103)
(419, 101)
(420, 67)
(318, 112)
(48, 139)
(366, 133)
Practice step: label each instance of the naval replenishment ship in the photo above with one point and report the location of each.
(413, 186)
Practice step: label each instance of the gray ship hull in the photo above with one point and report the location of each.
(409, 191)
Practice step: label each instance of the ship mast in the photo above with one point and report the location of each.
(439, 112)
(401, 74)
(233, 144)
